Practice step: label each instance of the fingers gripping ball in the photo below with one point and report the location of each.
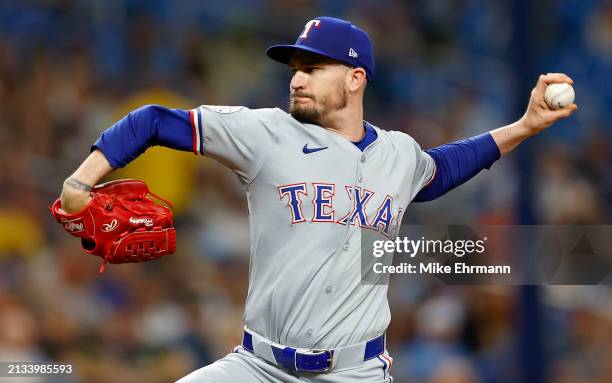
(121, 223)
(559, 95)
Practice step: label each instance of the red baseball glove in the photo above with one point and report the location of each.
(121, 223)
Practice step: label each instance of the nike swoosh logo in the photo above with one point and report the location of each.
(308, 150)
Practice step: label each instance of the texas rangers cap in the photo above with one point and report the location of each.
(334, 38)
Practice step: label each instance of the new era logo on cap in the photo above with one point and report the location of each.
(331, 37)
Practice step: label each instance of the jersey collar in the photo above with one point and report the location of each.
(370, 137)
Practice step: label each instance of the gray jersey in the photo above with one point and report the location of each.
(310, 193)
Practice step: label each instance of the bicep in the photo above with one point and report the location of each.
(424, 171)
(458, 162)
(147, 126)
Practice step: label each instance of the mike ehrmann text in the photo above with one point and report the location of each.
(439, 268)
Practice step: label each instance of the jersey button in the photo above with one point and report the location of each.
(362, 158)
(346, 246)
(308, 333)
(328, 290)
(360, 179)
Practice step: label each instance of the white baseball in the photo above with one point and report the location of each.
(559, 95)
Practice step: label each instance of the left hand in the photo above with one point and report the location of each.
(539, 115)
(121, 223)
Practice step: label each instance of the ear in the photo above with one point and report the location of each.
(355, 79)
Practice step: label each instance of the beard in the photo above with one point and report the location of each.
(315, 112)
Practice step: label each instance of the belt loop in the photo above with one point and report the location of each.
(285, 357)
(374, 347)
(247, 340)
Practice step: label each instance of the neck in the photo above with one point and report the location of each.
(347, 122)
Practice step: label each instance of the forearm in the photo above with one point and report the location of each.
(510, 136)
(77, 187)
(459, 161)
(123, 142)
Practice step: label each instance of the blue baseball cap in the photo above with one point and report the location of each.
(334, 38)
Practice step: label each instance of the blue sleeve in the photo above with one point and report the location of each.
(457, 162)
(142, 128)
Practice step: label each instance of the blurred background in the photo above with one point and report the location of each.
(445, 70)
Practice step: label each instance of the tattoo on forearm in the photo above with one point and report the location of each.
(78, 184)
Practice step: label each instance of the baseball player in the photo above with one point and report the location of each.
(314, 178)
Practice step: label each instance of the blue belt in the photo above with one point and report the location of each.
(313, 360)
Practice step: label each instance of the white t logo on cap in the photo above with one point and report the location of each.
(308, 27)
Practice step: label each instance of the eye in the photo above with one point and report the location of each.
(304, 69)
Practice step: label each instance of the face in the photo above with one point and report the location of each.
(318, 87)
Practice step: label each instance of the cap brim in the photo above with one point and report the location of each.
(283, 53)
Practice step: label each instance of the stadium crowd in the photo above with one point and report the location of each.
(445, 70)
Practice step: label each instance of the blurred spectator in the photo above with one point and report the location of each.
(69, 69)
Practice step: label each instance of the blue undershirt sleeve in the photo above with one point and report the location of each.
(457, 162)
(142, 128)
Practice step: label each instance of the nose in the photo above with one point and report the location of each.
(299, 80)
